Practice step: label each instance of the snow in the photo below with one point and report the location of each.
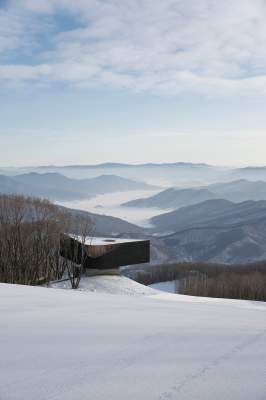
(109, 284)
(75, 345)
(102, 241)
(168, 286)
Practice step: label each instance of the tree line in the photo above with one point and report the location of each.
(237, 281)
(30, 235)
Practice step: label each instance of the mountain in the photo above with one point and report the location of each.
(184, 174)
(240, 190)
(215, 231)
(125, 165)
(173, 198)
(238, 244)
(113, 183)
(104, 225)
(53, 186)
(58, 187)
(250, 173)
(211, 213)
(162, 174)
(10, 185)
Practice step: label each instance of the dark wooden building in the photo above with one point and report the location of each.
(104, 253)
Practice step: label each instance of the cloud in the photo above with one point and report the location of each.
(166, 47)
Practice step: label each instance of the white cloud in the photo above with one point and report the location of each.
(170, 46)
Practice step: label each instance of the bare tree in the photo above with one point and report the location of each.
(243, 281)
(30, 232)
(83, 232)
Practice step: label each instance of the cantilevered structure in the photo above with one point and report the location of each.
(104, 253)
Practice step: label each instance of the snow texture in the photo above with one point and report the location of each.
(100, 241)
(168, 286)
(109, 284)
(75, 345)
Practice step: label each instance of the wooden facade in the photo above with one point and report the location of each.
(104, 253)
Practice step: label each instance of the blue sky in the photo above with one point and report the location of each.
(89, 81)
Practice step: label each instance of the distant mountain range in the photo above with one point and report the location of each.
(104, 225)
(174, 198)
(58, 187)
(183, 174)
(250, 173)
(215, 230)
(164, 174)
(240, 190)
(220, 222)
(230, 244)
(125, 165)
(210, 213)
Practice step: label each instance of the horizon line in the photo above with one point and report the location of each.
(124, 164)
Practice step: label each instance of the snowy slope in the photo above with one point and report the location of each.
(109, 284)
(168, 286)
(79, 345)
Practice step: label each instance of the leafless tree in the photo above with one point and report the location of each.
(83, 232)
(243, 281)
(30, 234)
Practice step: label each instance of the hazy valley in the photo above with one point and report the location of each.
(132, 200)
(210, 218)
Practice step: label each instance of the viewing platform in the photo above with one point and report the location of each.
(104, 254)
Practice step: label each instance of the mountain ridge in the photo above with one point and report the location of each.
(57, 186)
(175, 197)
(218, 211)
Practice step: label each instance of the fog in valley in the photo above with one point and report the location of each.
(132, 200)
(110, 204)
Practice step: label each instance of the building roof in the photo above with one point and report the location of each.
(104, 241)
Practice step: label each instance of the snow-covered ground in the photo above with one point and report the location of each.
(168, 286)
(111, 284)
(74, 345)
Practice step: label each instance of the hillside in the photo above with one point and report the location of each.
(173, 198)
(251, 173)
(65, 345)
(113, 183)
(55, 186)
(233, 244)
(106, 225)
(240, 190)
(215, 231)
(211, 213)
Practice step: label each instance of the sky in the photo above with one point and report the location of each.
(89, 81)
